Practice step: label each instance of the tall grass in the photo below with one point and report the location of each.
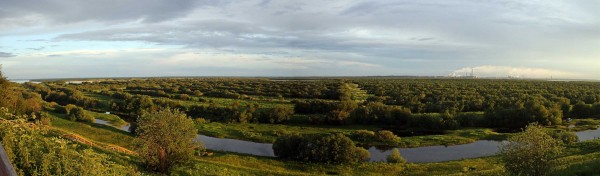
(96, 132)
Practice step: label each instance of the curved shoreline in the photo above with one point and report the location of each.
(425, 154)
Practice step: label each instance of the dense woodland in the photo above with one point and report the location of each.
(400, 104)
(389, 108)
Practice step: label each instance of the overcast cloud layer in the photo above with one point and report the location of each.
(497, 38)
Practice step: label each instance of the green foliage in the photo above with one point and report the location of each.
(331, 148)
(278, 114)
(531, 152)
(18, 100)
(336, 117)
(363, 135)
(395, 157)
(583, 110)
(288, 147)
(387, 137)
(114, 120)
(518, 115)
(379, 113)
(98, 133)
(80, 114)
(362, 154)
(566, 137)
(68, 108)
(64, 95)
(165, 138)
(314, 106)
(33, 151)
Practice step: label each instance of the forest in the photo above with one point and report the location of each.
(316, 126)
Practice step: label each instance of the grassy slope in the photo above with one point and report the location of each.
(582, 158)
(95, 132)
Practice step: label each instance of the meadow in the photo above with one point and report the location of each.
(370, 111)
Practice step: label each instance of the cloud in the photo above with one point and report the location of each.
(3, 54)
(521, 72)
(62, 11)
(37, 49)
(176, 62)
(35, 40)
(403, 37)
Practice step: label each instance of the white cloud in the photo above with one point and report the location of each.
(311, 37)
(521, 72)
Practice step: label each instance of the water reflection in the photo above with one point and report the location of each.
(440, 153)
(126, 127)
(238, 146)
(588, 135)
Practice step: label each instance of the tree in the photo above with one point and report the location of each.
(566, 137)
(279, 114)
(330, 148)
(395, 157)
(79, 114)
(288, 147)
(165, 138)
(530, 152)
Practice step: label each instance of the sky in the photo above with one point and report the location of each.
(133, 38)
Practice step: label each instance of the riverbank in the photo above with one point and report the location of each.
(423, 154)
(578, 159)
(268, 133)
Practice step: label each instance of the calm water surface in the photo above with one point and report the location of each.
(104, 122)
(440, 153)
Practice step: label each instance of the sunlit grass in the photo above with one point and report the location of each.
(96, 132)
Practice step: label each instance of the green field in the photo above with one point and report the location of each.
(95, 132)
(420, 112)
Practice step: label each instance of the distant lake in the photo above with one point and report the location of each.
(21, 81)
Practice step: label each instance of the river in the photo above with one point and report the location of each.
(481, 148)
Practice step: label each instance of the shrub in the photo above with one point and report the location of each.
(44, 118)
(68, 108)
(314, 106)
(166, 138)
(183, 96)
(337, 117)
(281, 132)
(387, 136)
(79, 114)
(278, 114)
(331, 148)
(565, 137)
(531, 152)
(201, 120)
(362, 154)
(471, 119)
(395, 157)
(363, 135)
(288, 147)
